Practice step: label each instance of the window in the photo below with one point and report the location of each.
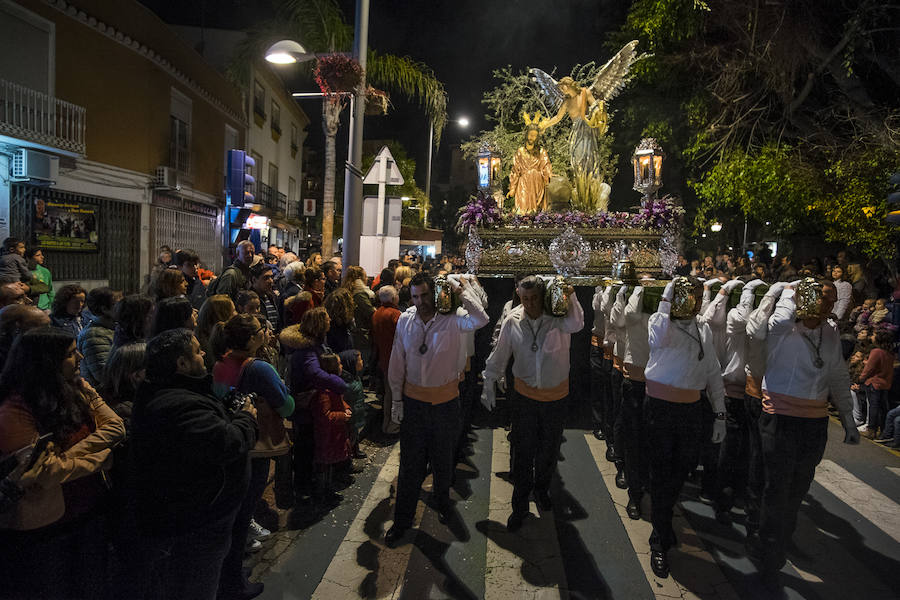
(180, 132)
(276, 117)
(292, 190)
(259, 99)
(295, 140)
(273, 176)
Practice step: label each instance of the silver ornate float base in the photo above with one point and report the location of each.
(506, 252)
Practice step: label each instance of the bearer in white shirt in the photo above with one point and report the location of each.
(540, 345)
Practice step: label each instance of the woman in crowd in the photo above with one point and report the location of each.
(95, 340)
(67, 307)
(54, 543)
(237, 342)
(168, 284)
(314, 260)
(35, 259)
(402, 277)
(313, 295)
(307, 343)
(356, 282)
(132, 315)
(340, 307)
(174, 312)
(217, 308)
(877, 377)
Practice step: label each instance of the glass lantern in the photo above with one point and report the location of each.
(647, 161)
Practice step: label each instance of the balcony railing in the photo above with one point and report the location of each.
(265, 195)
(41, 118)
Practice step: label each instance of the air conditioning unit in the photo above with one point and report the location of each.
(28, 165)
(167, 178)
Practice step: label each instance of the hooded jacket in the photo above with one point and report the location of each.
(95, 343)
(190, 458)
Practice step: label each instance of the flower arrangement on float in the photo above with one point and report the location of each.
(655, 215)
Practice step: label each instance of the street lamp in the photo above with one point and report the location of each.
(288, 52)
(462, 122)
(715, 227)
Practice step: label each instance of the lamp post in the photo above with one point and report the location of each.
(647, 161)
(289, 51)
(716, 227)
(463, 122)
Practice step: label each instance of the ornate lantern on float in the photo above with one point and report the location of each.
(647, 161)
(487, 166)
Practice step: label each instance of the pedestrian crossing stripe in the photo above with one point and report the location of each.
(877, 508)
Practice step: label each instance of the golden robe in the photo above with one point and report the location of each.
(528, 178)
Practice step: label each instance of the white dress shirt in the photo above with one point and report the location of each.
(467, 349)
(793, 384)
(715, 315)
(844, 298)
(442, 336)
(637, 344)
(734, 367)
(548, 367)
(674, 358)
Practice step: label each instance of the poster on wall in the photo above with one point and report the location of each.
(65, 225)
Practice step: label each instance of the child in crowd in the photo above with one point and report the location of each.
(330, 417)
(355, 396)
(880, 312)
(247, 303)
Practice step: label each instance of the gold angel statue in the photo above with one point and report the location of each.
(586, 107)
(531, 170)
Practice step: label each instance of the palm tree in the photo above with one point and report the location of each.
(319, 25)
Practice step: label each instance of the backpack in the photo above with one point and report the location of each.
(212, 288)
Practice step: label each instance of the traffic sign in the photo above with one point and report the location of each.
(309, 207)
(389, 175)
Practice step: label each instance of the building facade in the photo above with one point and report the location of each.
(138, 123)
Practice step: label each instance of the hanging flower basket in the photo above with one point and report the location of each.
(337, 73)
(377, 102)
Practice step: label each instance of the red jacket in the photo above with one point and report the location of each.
(879, 369)
(330, 428)
(384, 324)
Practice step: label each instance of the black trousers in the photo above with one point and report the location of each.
(634, 438)
(231, 578)
(428, 434)
(755, 478)
(600, 380)
(674, 439)
(467, 388)
(734, 461)
(709, 452)
(536, 437)
(616, 379)
(791, 449)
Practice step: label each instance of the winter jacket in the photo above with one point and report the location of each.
(62, 468)
(95, 344)
(330, 428)
(73, 325)
(232, 280)
(13, 268)
(196, 291)
(355, 396)
(190, 458)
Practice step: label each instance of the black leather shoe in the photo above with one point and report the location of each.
(393, 536)
(599, 435)
(633, 509)
(610, 455)
(359, 454)
(621, 481)
(659, 564)
(514, 523)
(444, 515)
(542, 498)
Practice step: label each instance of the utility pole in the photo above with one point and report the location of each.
(353, 188)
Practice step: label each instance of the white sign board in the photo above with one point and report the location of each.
(309, 207)
(389, 175)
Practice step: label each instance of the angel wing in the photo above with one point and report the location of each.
(614, 74)
(552, 96)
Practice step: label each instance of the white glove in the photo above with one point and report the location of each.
(669, 292)
(620, 295)
(488, 397)
(718, 431)
(730, 285)
(776, 289)
(397, 412)
(501, 384)
(708, 283)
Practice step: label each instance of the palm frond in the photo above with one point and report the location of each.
(413, 79)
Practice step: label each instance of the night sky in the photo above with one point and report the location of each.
(463, 41)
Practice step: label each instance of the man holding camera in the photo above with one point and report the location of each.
(191, 467)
